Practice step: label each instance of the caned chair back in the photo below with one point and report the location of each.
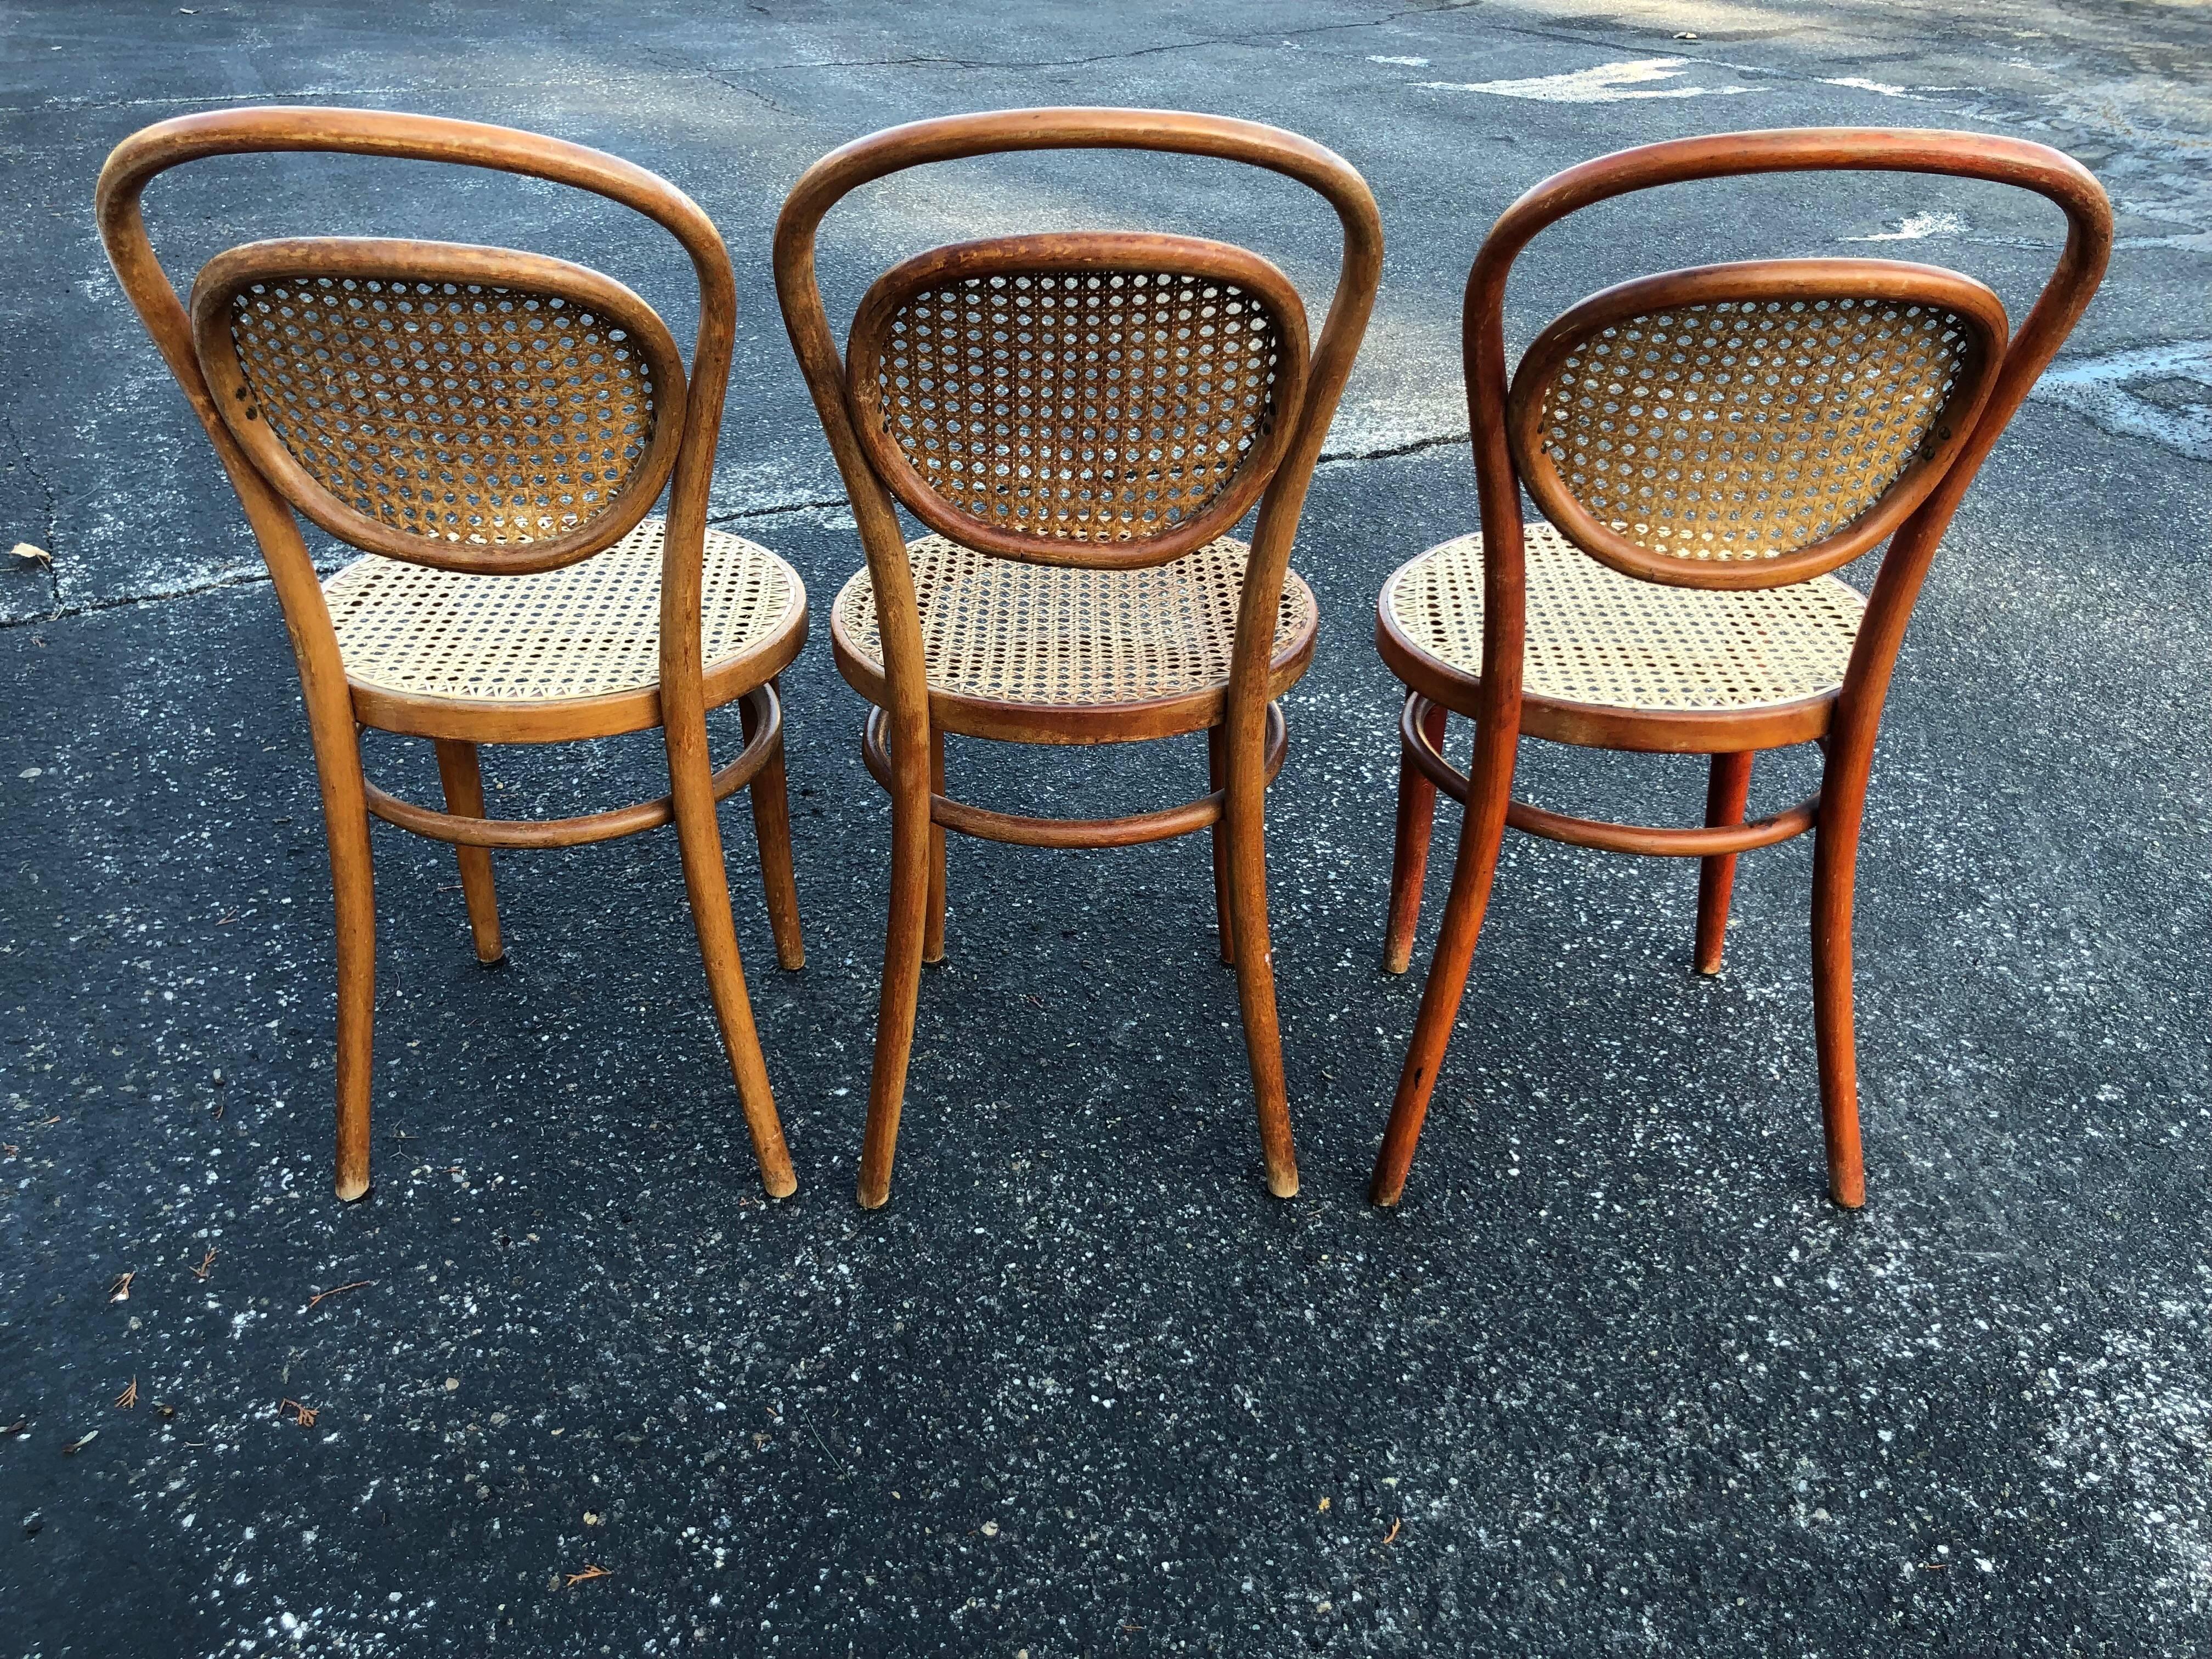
(475, 409)
(1109, 400)
(1758, 424)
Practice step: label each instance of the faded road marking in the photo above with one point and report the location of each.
(1608, 83)
(2162, 393)
(1916, 227)
(1862, 84)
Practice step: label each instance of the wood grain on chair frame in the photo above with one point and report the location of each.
(1732, 435)
(493, 427)
(1107, 405)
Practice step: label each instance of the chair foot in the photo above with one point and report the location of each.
(1835, 859)
(1409, 859)
(771, 807)
(459, 776)
(1728, 786)
(1244, 820)
(906, 928)
(1482, 836)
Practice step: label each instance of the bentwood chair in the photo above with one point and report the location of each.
(1707, 446)
(491, 429)
(1079, 420)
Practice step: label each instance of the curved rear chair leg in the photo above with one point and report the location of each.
(1244, 817)
(1728, 786)
(1217, 776)
(463, 782)
(1482, 836)
(772, 829)
(691, 791)
(932, 937)
(353, 886)
(1835, 871)
(1409, 861)
(901, 987)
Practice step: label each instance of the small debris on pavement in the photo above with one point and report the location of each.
(37, 555)
(207, 1261)
(303, 1415)
(80, 1444)
(129, 1397)
(121, 1290)
(589, 1573)
(337, 1290)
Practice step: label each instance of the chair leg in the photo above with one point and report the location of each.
(1835, 869)
(1409, 861)
(902, 986)
(932, 937)
(1728, 786)
(463, 782)
(1245, 819)
(1217, 775)
(353, 884)
(1482, 836)
(705, 879)
(772, 829)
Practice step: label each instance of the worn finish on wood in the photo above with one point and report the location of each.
(980, 334)
(1727, 789)
(1417, 817)
(482, 414)
(1796, 511)
(462, 780)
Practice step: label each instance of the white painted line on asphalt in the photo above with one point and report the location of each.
(1881, 87)
(1608, 83)
(1916, 227)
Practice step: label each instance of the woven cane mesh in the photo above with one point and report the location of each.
(1597, 636)
(581, 631)
(1079, 406)
(1002, 630)
(453, 411)
(1750, 429)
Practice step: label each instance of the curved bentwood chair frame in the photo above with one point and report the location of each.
(1062, 400)
(1613, 427)
(503, 415)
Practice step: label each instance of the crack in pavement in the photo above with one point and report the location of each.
(53, 523)
(782, 509)
(1249, 38)
(52, 106)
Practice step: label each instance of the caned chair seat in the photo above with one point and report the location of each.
(1605, 652)
(1068, 653)
(415, 637)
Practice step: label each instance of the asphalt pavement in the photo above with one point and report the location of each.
(1616, 1378)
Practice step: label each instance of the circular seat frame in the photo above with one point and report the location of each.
(1732, 725)
(1039, 720)
(613, 598)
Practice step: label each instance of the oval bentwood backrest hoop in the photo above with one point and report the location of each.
(1102, 397)
(1751, 425)
(471, 408)
(475, 409)
(1838, 425)
(1085, 494)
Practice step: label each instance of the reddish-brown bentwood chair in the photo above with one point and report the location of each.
(1707, 446)
(491, 428)
(1081, 419)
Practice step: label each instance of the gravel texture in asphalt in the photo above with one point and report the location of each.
(1616, 1377)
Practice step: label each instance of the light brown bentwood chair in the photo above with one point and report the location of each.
(1081, 419)
(491, 428)
(1707, 446)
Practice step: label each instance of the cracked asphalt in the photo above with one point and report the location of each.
(1616, 1378)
